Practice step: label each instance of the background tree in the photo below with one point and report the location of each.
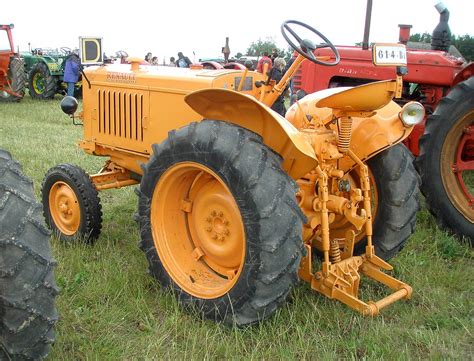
(257, 48)
(464, 43)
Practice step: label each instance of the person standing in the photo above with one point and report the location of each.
(71, 72)
(274, 54)
(276, 74)
(264, 60)
(183, 61)
(172, 62)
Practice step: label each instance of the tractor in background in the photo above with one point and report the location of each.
(45, 71)
(440, 79)
(12, 75)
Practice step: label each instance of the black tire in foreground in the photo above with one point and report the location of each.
(265, 202)
(41, 84)
(27, 286)
(71, 204)
(397, 189)
(439, 156)
(17, 78)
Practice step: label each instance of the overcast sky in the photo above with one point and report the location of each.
(165, 27)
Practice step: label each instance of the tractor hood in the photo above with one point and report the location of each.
(179, 80)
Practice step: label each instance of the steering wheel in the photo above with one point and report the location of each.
(306, 46)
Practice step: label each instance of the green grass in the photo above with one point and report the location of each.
(110, 308)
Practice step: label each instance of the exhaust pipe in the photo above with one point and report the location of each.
(368, 18)
(404, 34)
(441, 38)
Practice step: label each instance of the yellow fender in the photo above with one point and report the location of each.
(370, 135)
(245, 111)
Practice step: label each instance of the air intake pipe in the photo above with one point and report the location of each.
(441, 38)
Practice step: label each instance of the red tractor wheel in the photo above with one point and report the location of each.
(446, 161)
(14, 90)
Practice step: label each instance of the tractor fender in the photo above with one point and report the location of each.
(464, 74)
(370, 135)
(245, 111)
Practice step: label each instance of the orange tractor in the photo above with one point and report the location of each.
(235, 201)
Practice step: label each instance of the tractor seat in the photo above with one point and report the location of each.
(367, 97)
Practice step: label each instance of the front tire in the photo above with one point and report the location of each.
(445, 161)
(219, 222)
(71, 204)
(27, 286)
(41, 84)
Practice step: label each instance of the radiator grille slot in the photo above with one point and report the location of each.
(120, 114)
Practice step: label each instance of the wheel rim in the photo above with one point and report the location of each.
(457, 165)
(38, 83)
(198, 230)
(64, 208)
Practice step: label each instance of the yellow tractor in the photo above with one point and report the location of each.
(236, 203)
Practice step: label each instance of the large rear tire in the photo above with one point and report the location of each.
(219, 222)
(17, 79)
(446, 161)
(398, 189)
(42, 85)
(27, 286)
(395, 192)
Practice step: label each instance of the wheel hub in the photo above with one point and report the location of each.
(206, 260)
(64, 208)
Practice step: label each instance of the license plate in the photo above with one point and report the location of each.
(389, 55)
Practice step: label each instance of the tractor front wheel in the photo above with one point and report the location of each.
(219, 222)
(446, 161)
(71, 204)
(41, 83)
(16, 82)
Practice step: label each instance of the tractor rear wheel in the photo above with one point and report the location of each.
(397, 190)
(219, 222)
(17, 80)
(446, 161)
(41, 83)
(71, 204)
(395, 202)
(27, 286)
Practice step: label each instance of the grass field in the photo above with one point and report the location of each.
(110, 308)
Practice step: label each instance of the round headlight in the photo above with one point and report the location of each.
(411, 114)
(69, 105)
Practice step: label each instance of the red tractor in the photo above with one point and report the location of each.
(12, 72)
(443, 144)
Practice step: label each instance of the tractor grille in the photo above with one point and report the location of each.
(120, 114)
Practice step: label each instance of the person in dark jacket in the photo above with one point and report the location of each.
(276, 74)
(71, 72)
(183, 61)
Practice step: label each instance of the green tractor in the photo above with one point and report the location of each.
(45, 69)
